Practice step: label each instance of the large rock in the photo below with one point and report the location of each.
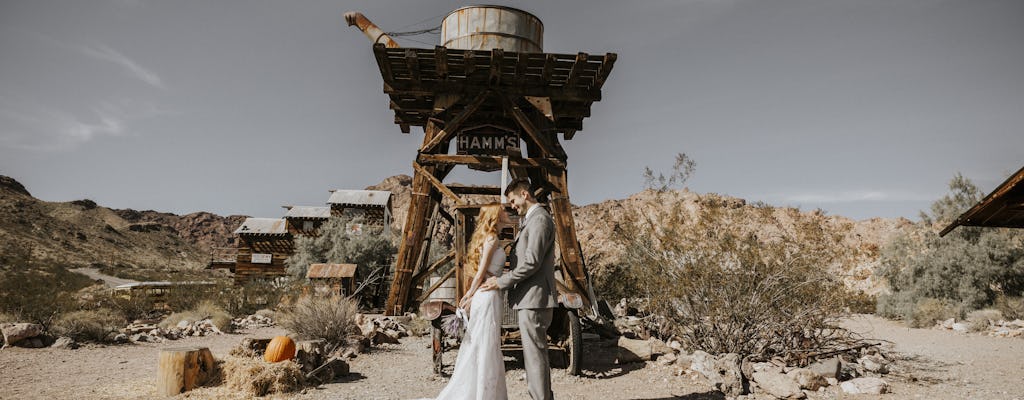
(778, 385)
(828, 368)
(64, 342)
(14, 333)
(866, 385)
(807, 379)
(723, 372)
(874, 363)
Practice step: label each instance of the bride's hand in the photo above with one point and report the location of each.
(464, 303)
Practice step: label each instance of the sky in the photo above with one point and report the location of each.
(862, 108)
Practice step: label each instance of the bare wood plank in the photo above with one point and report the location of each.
(441, 62)
(382, 62)
(549, 68)
(426, 293)
(453, 125)
(450, 86)
(468, 63)
(413, 61)
(431, 159)
(418, 278)
(574, 73)
(531, 129)
(521, 65)
(437, 184)
(496, 57)
(476, 190)
(605, 69)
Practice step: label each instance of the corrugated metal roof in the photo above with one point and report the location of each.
(308, 212)
(331, 271)
(1004, 207)
(268, 226)
(377, 198)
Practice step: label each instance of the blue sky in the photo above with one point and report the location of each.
(862, 108)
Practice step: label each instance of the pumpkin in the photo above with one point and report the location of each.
(280, 348)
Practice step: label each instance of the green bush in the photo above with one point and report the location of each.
(966, 269)
(315, 317)
(368, 250)
(980, 320)
(930, 311)
(88, 325)
(1011, 307)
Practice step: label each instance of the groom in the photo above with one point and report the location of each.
(531, 285)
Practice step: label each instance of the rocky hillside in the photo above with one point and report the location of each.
(83, 233)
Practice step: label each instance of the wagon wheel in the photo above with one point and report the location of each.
(437, 336)
(574, 352)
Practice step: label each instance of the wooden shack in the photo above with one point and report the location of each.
(263, 245)
(374, 206)
(306, 220)
(332, 279)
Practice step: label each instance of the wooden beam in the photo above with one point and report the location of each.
(452, 126)
(521, 64)
(383, 63)
(438, 185)
(413, 61)
(418, 278)
(431, 159)
(605, 69)
(450, 86)
(441, 62)
(577, 67)
(434, 287)
(468, 63)
(549, 68)
(495, 77)
(531, 130)
(476, 190)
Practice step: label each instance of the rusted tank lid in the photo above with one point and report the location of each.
(512, 9)
(474, 28)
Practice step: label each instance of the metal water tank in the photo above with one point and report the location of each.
(487, 27)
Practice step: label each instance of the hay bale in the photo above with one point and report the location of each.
(256, 377)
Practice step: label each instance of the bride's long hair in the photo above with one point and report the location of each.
(486, 227)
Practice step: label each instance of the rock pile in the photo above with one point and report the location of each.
(145, 332)
(23, 335)
(383, 329)
(998, 328)
(252, 321)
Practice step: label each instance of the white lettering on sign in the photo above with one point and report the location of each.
(486, 140)
(262, 258)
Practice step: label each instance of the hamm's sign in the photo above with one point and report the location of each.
(485, 140)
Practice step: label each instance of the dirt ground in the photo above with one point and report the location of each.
(930, 364)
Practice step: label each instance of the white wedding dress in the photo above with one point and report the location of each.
(480, 368)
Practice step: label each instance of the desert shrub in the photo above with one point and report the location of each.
(38, 291)
(929, 311)
(418, 326)
(318, 317)
(204, 310)
(335, 244)
(8, 318)
(129, 307)
(968, 268)
(738, 280)
(88, 325)
(1011, 307)
(255, 295)
(979, 320)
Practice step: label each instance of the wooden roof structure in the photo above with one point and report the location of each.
(308, 212)
(262, 226)
(564, 85)
(316, 271)
(1004, 207)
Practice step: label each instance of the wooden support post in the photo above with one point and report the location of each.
(182, 369)
(565, 233)
(437, 183)
(420, 276)
(453, 125)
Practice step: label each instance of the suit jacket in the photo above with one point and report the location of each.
(531, 282)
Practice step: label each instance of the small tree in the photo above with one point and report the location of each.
(966, 270)
(337, 243)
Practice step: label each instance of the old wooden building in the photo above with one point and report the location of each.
(332, 279)
(263, 245)
(306, 220)
(374, 206)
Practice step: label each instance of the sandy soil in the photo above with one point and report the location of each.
(930, 364)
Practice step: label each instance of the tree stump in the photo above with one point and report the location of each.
(183, 368)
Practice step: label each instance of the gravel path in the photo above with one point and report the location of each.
(110, 281)
(931, 364)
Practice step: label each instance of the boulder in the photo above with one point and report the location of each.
(807, 379)
(778, 385)
(828, 368)
(723, 372)
(13, 333)
(961, 327)
(866, 385)
(667, 359)
(64, 342)
(874, 363)
(634, 350)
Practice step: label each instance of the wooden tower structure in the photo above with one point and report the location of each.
(496, 106)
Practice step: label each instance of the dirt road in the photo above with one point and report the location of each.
(110, 281)
(930, 364)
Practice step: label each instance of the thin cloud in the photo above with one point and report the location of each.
(105, 53)
(45, 129)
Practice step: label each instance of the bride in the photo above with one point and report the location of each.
(480, 368)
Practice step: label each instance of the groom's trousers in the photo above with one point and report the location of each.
(533, 326)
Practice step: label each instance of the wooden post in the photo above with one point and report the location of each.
(183, 368)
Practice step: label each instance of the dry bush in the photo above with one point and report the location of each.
(930, 311)
(980, 320)
(256, 377)
(204, 310)
(37, 291)
(753, 281)
(314, 317)
(418, 326)
(8, 318)
(1011, 307)
(88, 325)
(267, 313)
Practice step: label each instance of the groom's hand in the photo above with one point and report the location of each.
(490, 284)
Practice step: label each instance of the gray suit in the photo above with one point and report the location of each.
(531, 291)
